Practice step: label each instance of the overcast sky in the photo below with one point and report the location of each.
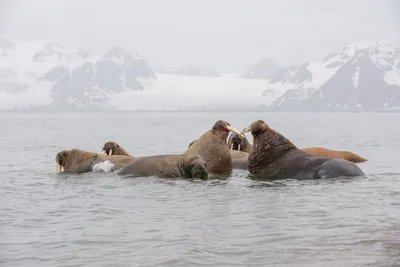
(228, 35)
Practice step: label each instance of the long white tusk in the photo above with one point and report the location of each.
(110, 153)
(58, 168)
(232, 146)
(238, 147)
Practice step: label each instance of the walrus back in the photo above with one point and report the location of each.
(80, 161)
(118, 160)
(330, 153)
(158, 165)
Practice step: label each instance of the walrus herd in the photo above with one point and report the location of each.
(218, 151)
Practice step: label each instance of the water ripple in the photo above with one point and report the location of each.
(100, 219)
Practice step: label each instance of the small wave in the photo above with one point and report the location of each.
(105, 166)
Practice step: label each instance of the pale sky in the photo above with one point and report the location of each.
(229, 35)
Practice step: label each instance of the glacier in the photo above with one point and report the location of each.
(57, 76)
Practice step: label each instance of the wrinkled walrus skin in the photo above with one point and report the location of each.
(80, 161)
(211, 146)
(274, 157)
(167, 166)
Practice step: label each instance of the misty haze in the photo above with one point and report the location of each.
(149, 110)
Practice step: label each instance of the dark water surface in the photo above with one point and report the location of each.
(100, 219)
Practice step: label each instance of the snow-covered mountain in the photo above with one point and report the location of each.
(263, 69)
(54, 75)
(363, 76)
(190, 71)
(57, 75)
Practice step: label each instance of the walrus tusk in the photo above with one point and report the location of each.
(230, 128)
(110, 153)
(232, 146)
(245, 130)
(58, 167)
(238, 147)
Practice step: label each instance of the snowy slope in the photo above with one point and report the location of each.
(57, 75)
(190, 71)
(173, 92)
(363, 76)
(263, 69)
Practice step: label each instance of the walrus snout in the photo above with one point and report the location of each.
(236, 142)
(109, 148)
(60, 160)
(222, 125)
(255, 128)
(199, 171)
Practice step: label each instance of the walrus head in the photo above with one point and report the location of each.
(75, 160)
(61, 159)
(223, 128)
(195, 167)
(112, 148)
(256, 128)
(238, 142)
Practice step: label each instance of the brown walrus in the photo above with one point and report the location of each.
(274, 156)
(240, 143)
(112, 148)
(211, 146)
(167, 166)
(80, 161)
(235, 154)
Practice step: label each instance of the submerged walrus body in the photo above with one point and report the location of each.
(274, 157)
(80, 161)
(239, 143)
(167, 166)
(211, 146)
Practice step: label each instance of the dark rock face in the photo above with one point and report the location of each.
(358, 83)
(90, 83)
(263, 69)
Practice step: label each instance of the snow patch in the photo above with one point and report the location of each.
(356, 78)
(392, 77)
(175, 92)
(320, 74)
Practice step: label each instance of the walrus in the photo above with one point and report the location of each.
(80, 161)
(168, 166)
(239, 143)
(211, 146)
(112, 148)
(274, 156)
